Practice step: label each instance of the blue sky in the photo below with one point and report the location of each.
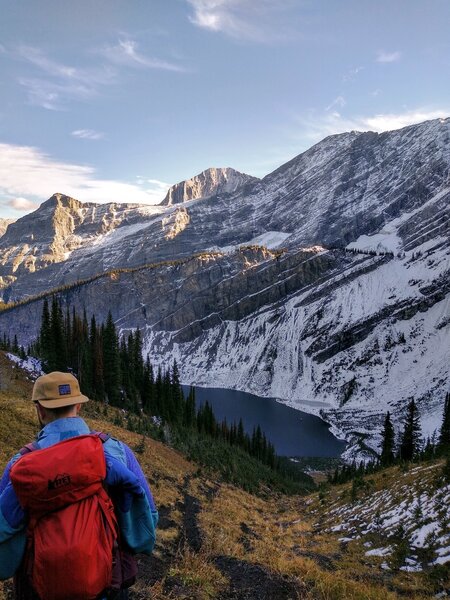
(113, 100)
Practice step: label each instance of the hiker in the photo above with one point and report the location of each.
(74, 505)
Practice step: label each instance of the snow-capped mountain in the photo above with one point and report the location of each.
(208, 183)
(346, 313)
(346, 186)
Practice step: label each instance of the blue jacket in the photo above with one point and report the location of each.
(135, 508)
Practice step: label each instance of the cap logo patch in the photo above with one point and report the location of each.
(64, 390)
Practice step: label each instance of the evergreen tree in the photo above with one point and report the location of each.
(177, 393)
(159, 392)
(137, 360)
(77, 343)
(148, 389)
(444, 436)
(411, 438)
(96, 354)
(387, 447)
(271, 456)
(68, 337)
(45, 337)
(189, 409)
(240, 434)
(111, 362)
(58, 361)
(429, 450)
(167, 406)
(125, 364)
(84, 356)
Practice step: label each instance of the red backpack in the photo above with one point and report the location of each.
(72, 527)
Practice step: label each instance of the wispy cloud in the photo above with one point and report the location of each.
(352, 74)
(55, 95)
(314, 126)
(338, 101)
(388, 57)
(36, 57)
(256, 20)
(27, 172)
(88, 134)
(126, 53)
(57, 82)
(22, 204)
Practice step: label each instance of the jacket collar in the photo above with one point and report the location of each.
(68, 424)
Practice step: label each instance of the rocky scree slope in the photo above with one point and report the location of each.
(336, 332)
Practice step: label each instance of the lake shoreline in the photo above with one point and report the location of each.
(294, 432)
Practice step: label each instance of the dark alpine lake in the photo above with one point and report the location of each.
(292, 432)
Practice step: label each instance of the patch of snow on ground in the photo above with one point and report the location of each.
(386, 240)
(113, 236)
(411, 568)
(423, 516)
(421, 534)
(33, 366)
(379, 551)
(270, 239)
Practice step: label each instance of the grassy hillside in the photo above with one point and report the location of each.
(217, 541)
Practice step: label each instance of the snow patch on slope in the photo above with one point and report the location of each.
(270, 239)
(388, 239)
(32, 365)
(419, 508)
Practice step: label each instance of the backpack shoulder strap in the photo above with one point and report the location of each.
(103, 436)
(28, 448)
(34, 445)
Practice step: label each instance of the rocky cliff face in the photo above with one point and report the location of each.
(349, 331)
(61, 225)
(208, 183)
(4, 225)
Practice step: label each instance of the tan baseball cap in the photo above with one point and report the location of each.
(57, 389)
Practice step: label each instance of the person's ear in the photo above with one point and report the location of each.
(77, 408)
(41, 410)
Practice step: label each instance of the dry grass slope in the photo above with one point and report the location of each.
(215, 541)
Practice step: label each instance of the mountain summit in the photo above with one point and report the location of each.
(208, 183)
